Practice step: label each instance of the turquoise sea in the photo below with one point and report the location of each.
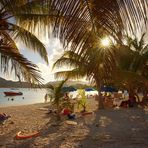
(30, 96)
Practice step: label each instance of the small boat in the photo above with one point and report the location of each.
(12, 93)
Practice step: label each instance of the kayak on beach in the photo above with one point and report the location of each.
(87, 113)
(19, 135)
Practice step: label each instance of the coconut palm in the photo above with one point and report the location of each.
(56, 94)
(79, 24)
(97, 65)
(133, 58)
(136, 55)
(140, 54)
(11, 33)
(83, 23)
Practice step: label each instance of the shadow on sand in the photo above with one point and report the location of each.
(105, 128)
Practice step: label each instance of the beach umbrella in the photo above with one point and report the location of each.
(68, 89)
(108, 89)
(89, 89)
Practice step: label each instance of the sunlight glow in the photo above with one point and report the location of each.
(105, 42)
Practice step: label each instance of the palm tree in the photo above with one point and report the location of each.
(97, 65)
(79, 24)
(57, 95)
(140, 54)
(133, 64)
(11, 32)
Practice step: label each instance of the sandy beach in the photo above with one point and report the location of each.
(107, 128)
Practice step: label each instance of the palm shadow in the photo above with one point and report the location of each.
(116, 128)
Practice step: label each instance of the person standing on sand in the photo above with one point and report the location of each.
(66, 97)
(46, 97)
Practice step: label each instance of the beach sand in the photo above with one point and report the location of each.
(109, 128)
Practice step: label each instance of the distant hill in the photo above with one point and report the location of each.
(76, 84)
(15, 84)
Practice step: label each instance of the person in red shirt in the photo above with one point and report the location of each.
(66, 111)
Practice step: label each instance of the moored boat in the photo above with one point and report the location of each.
(12, 93)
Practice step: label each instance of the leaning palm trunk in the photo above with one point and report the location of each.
(100, 98)
(132, 93)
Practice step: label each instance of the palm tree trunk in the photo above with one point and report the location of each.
(131, 94)
(100, 99)
(58, 112)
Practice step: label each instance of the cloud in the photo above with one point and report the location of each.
(46, 72)
(10, 76)
(55, 50)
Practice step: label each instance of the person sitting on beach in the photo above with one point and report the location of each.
(132, 100)
(66, 97)
(46, 97)
(68, 113)
(3, 117)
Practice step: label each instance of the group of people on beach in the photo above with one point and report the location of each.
(125, 99)
(67, 106)
(119, 99)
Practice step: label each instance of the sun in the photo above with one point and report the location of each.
(105, 42)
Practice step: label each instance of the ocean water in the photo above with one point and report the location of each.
(30, 96)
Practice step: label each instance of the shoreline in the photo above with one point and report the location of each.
(24, 105)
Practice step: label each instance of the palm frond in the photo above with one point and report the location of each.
(96, 64)
(58, 90)
(69, 59)
(124, 76)
(134, 15)
(74, 74)
(11, 60)
(82, 35)
(30, 40)
(145, 49)
(34, 15)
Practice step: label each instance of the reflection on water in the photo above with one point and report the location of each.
(30, 96)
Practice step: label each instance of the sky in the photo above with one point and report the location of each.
(54, 49)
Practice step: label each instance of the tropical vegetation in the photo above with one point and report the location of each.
(133, 63)
(101, 18)
(56, 95)
(12, 33)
